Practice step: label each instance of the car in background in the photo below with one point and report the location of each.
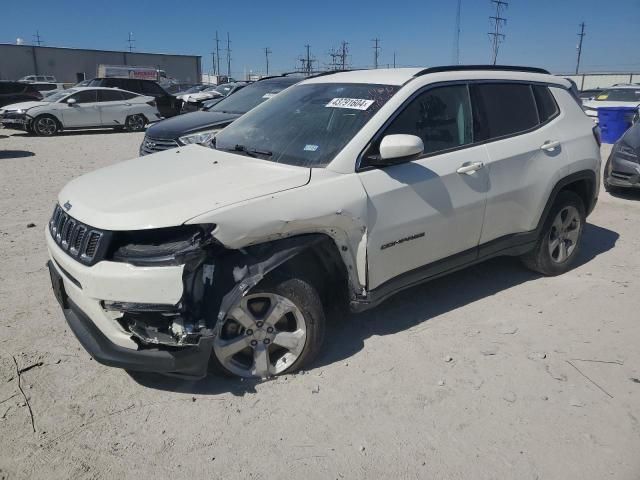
(622, 170)
(590, 94)
(622, 96)
(14, 92)
(38, 78)
(84, 107)
(177, 89)
(212, 94)
(168, 105)
(200, 127)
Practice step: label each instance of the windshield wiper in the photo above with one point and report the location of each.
(252, 152)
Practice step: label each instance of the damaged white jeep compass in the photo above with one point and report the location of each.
(344, 188)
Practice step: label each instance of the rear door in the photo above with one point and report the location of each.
(519, 122)
(83, 113)
(424, 210)
(112, 107)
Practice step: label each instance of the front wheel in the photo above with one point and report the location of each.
(135, 123)
(277, 328)
(45, 126)
(559, 242)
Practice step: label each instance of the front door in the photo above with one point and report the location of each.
(431, 208)
(84, 112)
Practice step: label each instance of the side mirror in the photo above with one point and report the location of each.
(71, 102)
(400, 147)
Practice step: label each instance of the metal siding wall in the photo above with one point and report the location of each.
(18, 60)
(602, 80)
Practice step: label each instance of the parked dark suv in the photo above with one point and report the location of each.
(200, 127)
(15, 92)
(168, 105)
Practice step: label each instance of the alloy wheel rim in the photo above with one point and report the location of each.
(261, 336)
(136, 122)
(564, 234)
(46, 126)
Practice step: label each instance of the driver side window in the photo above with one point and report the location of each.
(440, 116)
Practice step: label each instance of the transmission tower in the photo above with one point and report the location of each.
(581, 35)
(342, 55)
(267, 52)
(306, 61)
(131, 42)
(376, 51)
(498, 22)
(37, 39)
(456, 38)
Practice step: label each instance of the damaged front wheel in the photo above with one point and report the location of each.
(276, 328)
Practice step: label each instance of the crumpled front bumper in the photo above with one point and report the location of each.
(187, 361)
(622, 173)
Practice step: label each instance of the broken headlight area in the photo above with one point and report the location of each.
(162, 246)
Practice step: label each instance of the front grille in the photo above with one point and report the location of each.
(620, 175)
(152, 145)
(86, 244)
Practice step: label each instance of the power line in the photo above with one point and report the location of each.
(267, 51)
(498, 21)
(131, 42)
(376, 51)
(456, 38)
(581, 35)
(37, 39)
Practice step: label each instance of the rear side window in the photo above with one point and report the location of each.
(502, 109)
(109, 95)
(441, 117)
(85, 96)
(547, 106)
(128, 95)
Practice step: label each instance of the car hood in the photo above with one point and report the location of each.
(168, 188)
(180, 125)
(24, 105)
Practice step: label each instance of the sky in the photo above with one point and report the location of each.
(538, 32)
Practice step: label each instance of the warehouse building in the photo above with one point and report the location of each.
(71, 65)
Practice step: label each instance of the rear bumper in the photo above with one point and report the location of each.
(189, 362)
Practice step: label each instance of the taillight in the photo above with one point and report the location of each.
(152, 103)
(596, 134)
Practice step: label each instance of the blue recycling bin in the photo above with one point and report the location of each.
(614, 121)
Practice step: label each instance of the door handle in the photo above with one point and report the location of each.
(550, 145)
(471, 168)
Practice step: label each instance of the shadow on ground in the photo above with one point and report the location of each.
(101, 131)
(626, 193)
(415, 306)
(5, 154)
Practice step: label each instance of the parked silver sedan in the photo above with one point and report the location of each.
(83, 107)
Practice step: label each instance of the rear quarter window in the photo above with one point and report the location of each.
(547, 106)
(502, 109)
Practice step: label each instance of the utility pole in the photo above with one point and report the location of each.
(217, 67)
(344, 51)
(131, 42)
(394, 59)
(228, 56)
(581, 35)
(376, 51)
(37, 39)
(456, 39)
(498, 22)
(267, 51)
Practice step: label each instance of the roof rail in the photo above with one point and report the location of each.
(494, 68)
(331, 72)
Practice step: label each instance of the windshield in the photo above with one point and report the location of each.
(247, 98)
(306, 125)
(54, 97)
(620, 95)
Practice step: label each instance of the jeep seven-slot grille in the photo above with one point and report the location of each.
(80, 241)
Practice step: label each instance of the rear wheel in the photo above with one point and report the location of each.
(559, 242)
(45, 126)
(135, 123)
(277, 328)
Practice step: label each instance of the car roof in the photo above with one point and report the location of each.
(624, 87)
(400, 76)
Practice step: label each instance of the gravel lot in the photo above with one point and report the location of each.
(493, 372)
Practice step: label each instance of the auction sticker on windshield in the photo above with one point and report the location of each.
(352, 103)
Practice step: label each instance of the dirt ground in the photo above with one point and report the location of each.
(490, 373)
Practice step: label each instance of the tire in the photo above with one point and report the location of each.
(248, 328)
(45, 125)
(558, 245)
(135, 123)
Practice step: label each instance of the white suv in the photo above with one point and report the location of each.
(346, 187)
